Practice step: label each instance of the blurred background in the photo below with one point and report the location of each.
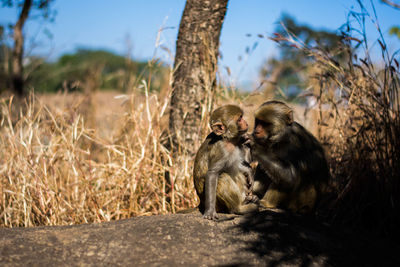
(66, 31)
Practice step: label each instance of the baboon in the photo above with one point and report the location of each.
(292, 169)
(222, 174)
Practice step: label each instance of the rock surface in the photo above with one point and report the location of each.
(264, 239)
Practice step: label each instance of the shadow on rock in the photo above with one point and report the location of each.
(287, 239)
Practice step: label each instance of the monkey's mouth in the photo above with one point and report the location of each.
(258, 138)
(256, 135)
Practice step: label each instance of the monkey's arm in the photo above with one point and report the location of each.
(282, 173)
(210, 195)
(215, 167)
(244, 165)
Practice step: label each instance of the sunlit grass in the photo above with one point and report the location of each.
(55, 170)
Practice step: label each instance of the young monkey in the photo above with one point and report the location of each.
(222, 174)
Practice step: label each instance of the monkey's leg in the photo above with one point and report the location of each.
(274, 198)
(303, 201)
(300, 201)
(231, 195)
(261, 183)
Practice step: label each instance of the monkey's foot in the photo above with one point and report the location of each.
(210, 215)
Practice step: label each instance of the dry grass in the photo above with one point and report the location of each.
(54, 170)
(92, 157)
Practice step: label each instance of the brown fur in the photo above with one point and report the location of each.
(292, 167)
(222, 156)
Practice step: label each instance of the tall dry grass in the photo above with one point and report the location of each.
(359, 122)
(55, 170)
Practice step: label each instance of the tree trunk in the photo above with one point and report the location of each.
(17, 82)
(194, 69)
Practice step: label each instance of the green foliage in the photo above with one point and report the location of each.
(74, 71)
(288, 70)
(309, 36)
(395, 30)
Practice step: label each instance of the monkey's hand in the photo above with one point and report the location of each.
(250, 198)
(248, 173)
(210, 215)
(254, 165)
(247, 139)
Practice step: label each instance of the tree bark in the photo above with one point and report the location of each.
(17, 82)
(194, 69)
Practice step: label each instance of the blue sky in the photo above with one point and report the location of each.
(109, 24)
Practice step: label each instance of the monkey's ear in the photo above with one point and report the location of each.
(289, 117)
(218, 128)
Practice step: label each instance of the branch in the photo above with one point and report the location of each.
(24, 14)
(390, 3)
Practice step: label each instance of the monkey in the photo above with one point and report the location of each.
(292, 169)
(222, 174)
